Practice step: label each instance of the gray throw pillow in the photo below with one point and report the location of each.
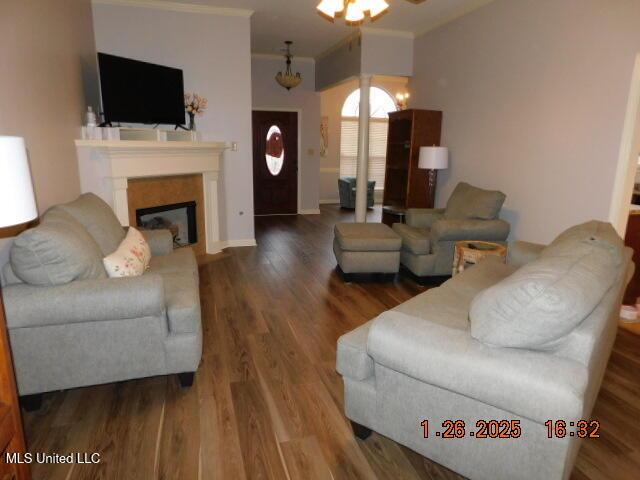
(56, 252)
(99, 220)
(469, 202)
(547, 298)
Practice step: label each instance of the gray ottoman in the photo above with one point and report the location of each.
(366, 248)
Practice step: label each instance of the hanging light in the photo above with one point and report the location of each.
(377, 8)
(288, 79)
(354, 11)
(355, 14)
(331, 8)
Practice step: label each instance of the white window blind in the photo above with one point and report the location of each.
(377, 149)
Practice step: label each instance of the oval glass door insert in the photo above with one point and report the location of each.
(274, 155)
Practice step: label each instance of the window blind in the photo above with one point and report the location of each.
(377, 149)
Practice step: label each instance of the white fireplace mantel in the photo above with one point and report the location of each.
(105, 166)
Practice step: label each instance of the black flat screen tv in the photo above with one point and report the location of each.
(140, 92)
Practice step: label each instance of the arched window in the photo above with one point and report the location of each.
(380, 104)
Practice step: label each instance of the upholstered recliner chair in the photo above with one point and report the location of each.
(347, 191)
(71, 326)
(429, 235)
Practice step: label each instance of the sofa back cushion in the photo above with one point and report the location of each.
(56, 252)
(469, 202)
(547, 298)
(98, 218)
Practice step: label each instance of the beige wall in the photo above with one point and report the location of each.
(331, 102)
(534, 94)
(47, 55)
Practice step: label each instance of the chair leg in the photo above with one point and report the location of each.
(186, 379)
(31, 403)
(360, 431)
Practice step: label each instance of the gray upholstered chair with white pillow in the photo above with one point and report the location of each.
(430, 234)
(71, 326)
(522, 343)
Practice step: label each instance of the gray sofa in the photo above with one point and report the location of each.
(347, 192)
(430, 234)
(71, 326)
(527, 341)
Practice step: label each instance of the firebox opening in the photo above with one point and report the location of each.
(178, 218)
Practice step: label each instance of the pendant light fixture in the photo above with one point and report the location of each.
(354, 11)
(288, 79)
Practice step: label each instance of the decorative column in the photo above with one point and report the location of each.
(362, 172)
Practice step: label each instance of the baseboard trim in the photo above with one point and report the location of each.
(329, 201)
(244, 242)
(310, 211)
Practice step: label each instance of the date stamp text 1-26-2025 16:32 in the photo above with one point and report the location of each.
(505, 429)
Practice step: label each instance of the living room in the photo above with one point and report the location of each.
(196, 283)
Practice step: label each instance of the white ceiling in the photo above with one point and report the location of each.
(275, 21)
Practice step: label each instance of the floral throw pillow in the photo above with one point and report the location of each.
(131, 258)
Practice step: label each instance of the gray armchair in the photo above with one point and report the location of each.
(71, 326)
(429, 235)
(347, 191)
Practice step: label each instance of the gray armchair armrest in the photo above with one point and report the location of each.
(423, 217)
(458, 230)
(521, 253)
(160, 241)
(84, 301)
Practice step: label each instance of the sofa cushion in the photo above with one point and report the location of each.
(182, 296)
(56, 252)
(449, 304)
(532, 384)
(416, 240)
(179, 260)
(99, 220)
(467, 202)
(547, 298)
(366, 237)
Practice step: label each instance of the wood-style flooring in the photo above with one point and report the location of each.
(267, 402)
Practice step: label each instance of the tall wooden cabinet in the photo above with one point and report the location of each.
(405, 185)
(11, 433)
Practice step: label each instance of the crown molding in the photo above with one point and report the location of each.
(273, 56)
(178, 7)
(385, 32)
(460, 12)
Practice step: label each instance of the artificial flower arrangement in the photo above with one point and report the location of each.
(194, 104)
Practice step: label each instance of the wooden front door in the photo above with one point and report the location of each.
(275, 163)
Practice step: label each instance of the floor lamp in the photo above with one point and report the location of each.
(17, 206)
(433, 159)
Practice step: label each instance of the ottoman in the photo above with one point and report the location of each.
(366, 248)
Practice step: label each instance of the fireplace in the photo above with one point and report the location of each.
(178, 218)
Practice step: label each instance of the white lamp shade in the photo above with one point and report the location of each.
(17, 203)
(434, 158)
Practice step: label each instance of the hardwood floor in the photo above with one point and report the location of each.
(267, 402)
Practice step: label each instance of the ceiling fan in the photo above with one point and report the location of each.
(355, 11)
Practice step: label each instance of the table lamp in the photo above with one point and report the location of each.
(17, 202)
(433, 159)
